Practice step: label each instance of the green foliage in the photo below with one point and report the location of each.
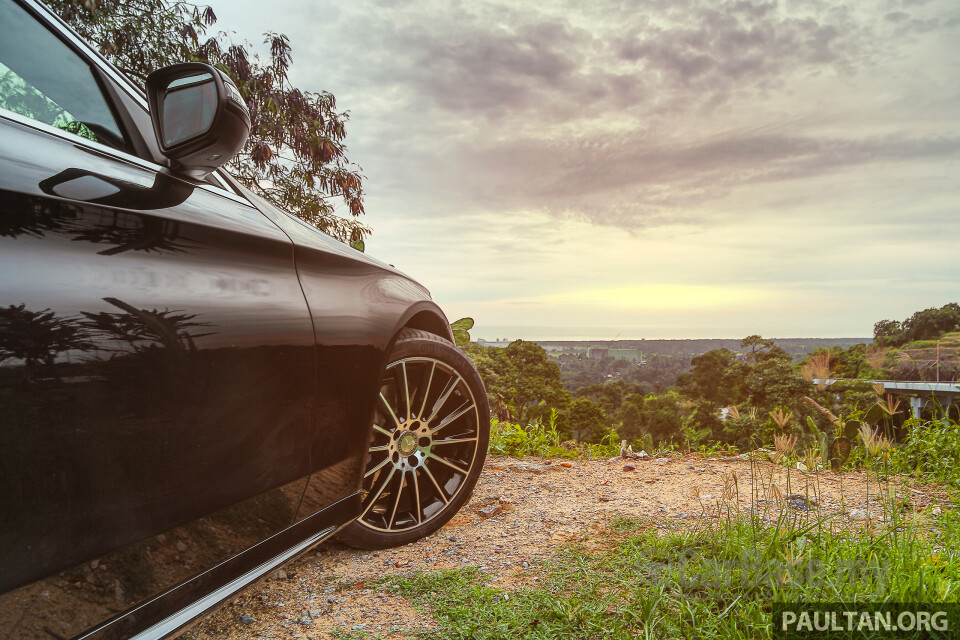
(295, 156)
(534, 439)
(461, 331)
(931, 450)
(586, 420)
(712, 379)
(522, 382)
(662, 415)
(648, 443)
(928, 324)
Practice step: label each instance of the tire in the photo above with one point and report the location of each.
(430, 436)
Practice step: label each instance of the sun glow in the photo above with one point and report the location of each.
(660, 297)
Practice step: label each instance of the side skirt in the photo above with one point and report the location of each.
(173, 610)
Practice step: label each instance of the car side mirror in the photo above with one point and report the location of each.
(199, 118)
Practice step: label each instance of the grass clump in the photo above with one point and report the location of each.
(534, 439)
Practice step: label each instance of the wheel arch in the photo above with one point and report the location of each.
(425, 316)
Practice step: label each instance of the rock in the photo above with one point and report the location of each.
(491, 510)
(531, 467)
(798, 502)
(181, 547)
(662, 460)
(305, 619)
(936, 511)
(246, 618)
(280, 575)
(568, 465)
(628, 467)
(860, 515)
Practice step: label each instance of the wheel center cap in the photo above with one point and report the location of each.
(407, 443)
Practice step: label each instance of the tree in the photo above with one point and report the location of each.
(295, 155)
(586, 420)
(662, 414)
(705, 381)
(630, 417)
(522, 377)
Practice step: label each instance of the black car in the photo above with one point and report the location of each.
(194, 385)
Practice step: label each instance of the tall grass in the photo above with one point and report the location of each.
(716, 581)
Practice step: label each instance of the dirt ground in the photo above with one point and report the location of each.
(522, 512)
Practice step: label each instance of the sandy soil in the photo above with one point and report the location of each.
(522, 512)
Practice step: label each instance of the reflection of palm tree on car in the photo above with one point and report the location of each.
(38, 337)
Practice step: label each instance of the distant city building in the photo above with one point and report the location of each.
(500, 343)
(599, 353)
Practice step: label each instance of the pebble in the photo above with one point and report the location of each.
(490, 511)
(246, 618)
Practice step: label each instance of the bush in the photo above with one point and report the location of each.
(931, 451)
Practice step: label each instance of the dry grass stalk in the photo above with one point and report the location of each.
(820, 368)
(873, 441)
(781, 418)
(879, 388)
(891, 406)
(785, 444)
(733, 412)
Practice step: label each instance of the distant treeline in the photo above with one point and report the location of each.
(797, 347)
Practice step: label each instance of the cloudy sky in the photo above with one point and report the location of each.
(674, 168)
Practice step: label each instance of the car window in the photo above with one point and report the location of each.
(44, 79)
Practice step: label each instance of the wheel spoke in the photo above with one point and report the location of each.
(396, 501)
(426, 392)
(416, 495)
(376, 468)
(406, 390)
(377, 427)
(383, 447)
(447, 392)
(453, 441)
(443, 496)
(448, 463)
(390, 409)
(380, 492)
(453, 417)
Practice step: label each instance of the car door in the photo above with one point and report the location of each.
(157, 358)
